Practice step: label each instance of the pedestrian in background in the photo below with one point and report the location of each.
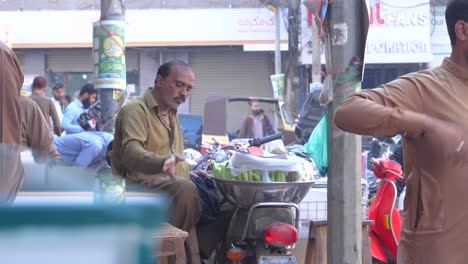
(85, 149)
(58, 94)
(429, 109)
(256, 124)
(86, 98)
(65, 102)
(46, 105)
(36, 133)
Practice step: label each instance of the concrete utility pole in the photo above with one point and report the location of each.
(277, 41)
(292, 79)
(316, 54)
(111, 79)
(346, 37)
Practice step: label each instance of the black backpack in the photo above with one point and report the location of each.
(209, 199)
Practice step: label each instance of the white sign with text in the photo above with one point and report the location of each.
(399, 32)
(153, 27)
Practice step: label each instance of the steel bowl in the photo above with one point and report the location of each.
(245, 193)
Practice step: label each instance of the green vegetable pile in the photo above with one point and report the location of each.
(222, 171)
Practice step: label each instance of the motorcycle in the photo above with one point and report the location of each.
(263, 228)
(384, 234)
(380, 147)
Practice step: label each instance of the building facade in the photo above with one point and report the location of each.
(230, 49)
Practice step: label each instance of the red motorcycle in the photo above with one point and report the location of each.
(384, 234)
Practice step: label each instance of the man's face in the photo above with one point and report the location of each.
(176, 87)
(255, 106)
(89, 100)
(59, 94)
(92, 98)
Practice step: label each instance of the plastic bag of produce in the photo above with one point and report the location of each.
(242, 162)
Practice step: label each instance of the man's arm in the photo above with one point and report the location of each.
(134, 126)
(38, 134)
(385, 111)
(55, 119)
(68, 117)
(93, 112)
(83, 121)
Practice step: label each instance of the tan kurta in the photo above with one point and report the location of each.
(48, 110)
(11, 81)
(141, 144)
(435, 218)
(36, 131)
(142, 141)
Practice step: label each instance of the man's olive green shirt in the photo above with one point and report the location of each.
(142, 141)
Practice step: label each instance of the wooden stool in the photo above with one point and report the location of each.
(316, 252)
(170, 241)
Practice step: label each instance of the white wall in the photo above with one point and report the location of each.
(33, 63)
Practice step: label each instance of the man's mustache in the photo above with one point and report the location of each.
(180, 98)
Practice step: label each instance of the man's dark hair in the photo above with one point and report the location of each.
(165, 69)
(57, 86)
(456, 10)
(39, 82)
(88, 88)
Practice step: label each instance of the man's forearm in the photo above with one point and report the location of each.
(364, 117)
(69, 128)
(136, 158)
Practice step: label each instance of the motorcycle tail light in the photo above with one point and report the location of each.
(280, 234)
(235, 254)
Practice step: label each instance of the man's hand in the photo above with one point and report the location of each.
(197, 173)
(445, 141)
(170, 163)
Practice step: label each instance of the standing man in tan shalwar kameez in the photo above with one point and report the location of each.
(430, 110)
(11, 81)
(36, 132)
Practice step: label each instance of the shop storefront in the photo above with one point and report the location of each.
(230, 50)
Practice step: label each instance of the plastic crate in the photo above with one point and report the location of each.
(312, 210)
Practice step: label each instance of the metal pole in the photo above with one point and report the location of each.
(277, 41)
(110, 10)
(345, 45)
